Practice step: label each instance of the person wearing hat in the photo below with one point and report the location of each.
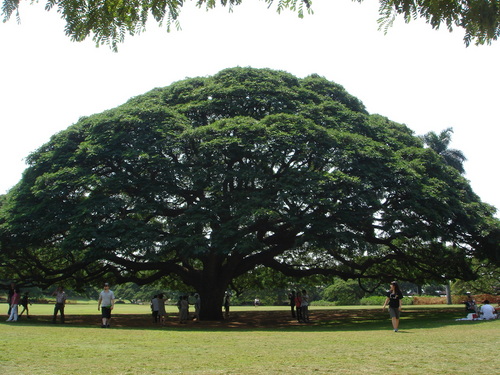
(107, 302)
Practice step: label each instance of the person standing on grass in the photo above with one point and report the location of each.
(162, 313)
(154, 308)
(24, 303)
(184, 310)
(394, 299)
(197, 307)
(10, 293)
(304, 306)
(291, 297)
(298, 306)
(227, 304)
(14, 302)
(107, 301)
(60, 303)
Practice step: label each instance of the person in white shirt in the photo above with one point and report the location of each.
(488, 311)
(154, 308)
(107, 301)
(60, 303)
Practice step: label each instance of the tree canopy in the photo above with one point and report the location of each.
(109, 21)
(210, 178)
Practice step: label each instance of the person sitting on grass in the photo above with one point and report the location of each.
(470, 304)
(488, 311)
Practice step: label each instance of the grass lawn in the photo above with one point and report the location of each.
(354, 340)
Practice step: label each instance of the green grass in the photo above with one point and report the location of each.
(355, 340)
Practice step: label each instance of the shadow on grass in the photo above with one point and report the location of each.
(321, 321)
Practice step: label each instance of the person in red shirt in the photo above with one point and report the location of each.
(298, 307)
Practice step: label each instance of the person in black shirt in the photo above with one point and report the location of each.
(470, 305)
(394, 299)
(291, 297)
(9, 296)
(24, 303)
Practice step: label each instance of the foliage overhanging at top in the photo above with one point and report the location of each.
(209, 178)
(479, 18)
(109, 21)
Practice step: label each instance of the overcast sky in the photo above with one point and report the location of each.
(424, 78)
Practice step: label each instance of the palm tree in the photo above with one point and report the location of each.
(440, 142)
(454, 158)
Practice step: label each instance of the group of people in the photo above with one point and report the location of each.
(105, 303)
(299, 304)
(395, 297)
(158, 310)
(486, 311)
(15, 299)
(159, 313)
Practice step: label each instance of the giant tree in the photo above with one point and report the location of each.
(209, 178)
(109, 21)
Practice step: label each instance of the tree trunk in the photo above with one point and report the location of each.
(211, 301)
(212, 282)
(448, 292)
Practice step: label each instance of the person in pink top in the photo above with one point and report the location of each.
(16, 297)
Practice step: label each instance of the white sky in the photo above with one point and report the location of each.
(414, 75)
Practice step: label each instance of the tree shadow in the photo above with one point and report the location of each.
(321, 320)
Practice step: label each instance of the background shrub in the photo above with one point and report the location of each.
(373, 300)
(429, 300)
(379, 301)
(324, 303)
